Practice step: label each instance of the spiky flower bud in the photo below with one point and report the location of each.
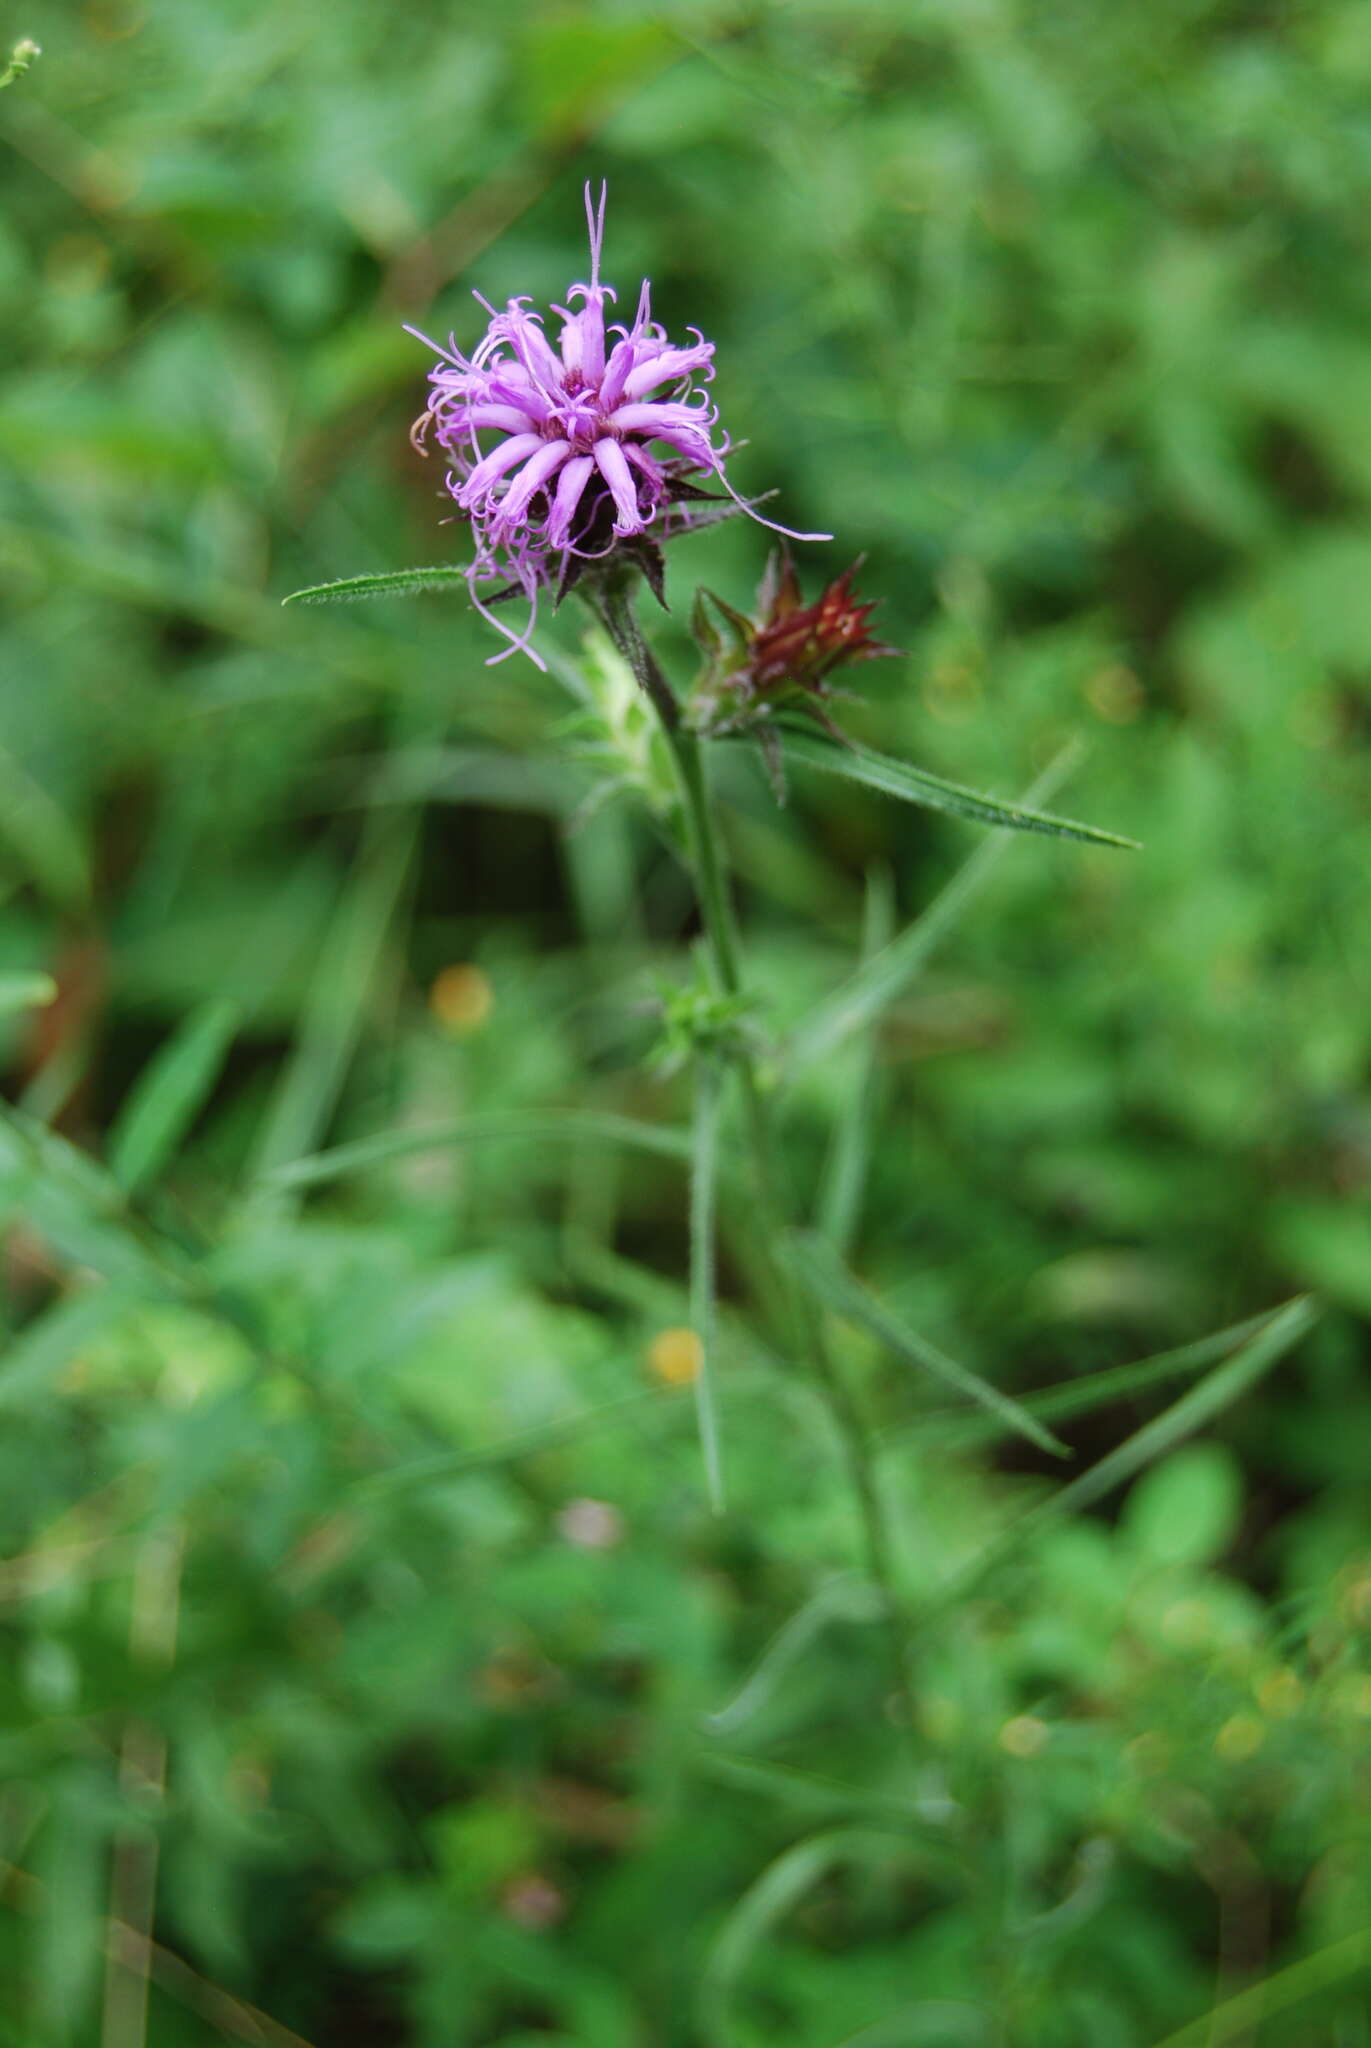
(783, 657)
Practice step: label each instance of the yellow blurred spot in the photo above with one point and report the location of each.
(1280, 1695)
(1023, 1736)
(461, 998)
(1239, 1738)
(1114, 693)
(676, 1357)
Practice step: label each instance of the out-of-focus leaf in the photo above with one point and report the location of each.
(1186, 1509)
(565, 1125)
(25, 992)
(169, 1094)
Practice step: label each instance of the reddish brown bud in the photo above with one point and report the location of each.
(786, 653)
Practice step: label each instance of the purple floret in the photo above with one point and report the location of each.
(551, 451)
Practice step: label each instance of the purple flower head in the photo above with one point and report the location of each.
(556, 455)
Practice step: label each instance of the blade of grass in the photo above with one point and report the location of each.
(917, 786)
(169, 1094)
(1095, 1390)
(845, 1598)
(35, 1360)
(819, 1269)
(1323, 1971)
(1198, 1405)
(567, 1126)
(704, 1167)
(42, 839)
(844, 1182)
(874, 985)
(525, 1443)
(782, 1885)
(339, 992)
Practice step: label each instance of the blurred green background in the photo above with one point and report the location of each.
(367, 1640)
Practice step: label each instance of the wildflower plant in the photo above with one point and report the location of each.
(579, 448)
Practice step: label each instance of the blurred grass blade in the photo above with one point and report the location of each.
(780, 1888)
(929, 2023)
(849, 1157)
(169, 1094)
(441, 1466)
(338, 996)
(917, 786)
(42, 838)
(565, 1125)
(819, 1269)
(1219, 1388)
(1092, 1390)
(876, 983)
(396, 583)
(1197, 1406)
(34, 1361)
(704, 1165)
(25, 992)
(1237, 2017)
(847, 1598)
(70, 1200)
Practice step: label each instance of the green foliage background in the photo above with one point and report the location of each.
(1059, 312)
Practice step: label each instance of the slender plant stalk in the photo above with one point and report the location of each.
(613, 605)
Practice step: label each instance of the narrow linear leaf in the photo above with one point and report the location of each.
(917, 786)
(35, 1360)
(1093, 1390)
(1323, 1971)
(927, 2023)
(845, 1171)
(445, 1465)
(565, 1125)
(1198, 1405)
(25, 992)
(704, 1165)
(77, 1205)
(169, 1094)
(878, 981)
(846, 1598)
(41, 837)
(819, 1269)
(342, 985)
(394, 583)
(781, 1886)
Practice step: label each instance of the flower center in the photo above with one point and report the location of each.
(578, 421)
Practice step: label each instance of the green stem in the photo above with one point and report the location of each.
(613, 605)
